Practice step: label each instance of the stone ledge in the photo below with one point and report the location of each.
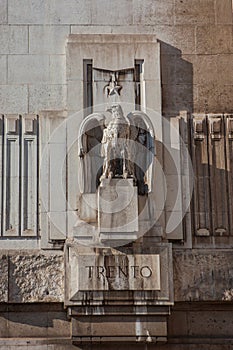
(111, 38)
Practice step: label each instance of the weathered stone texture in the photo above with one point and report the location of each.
(36, 278)
(153, 12)
(214, 39)
(28, 69)
(13, 39)
(3, 69)
(223, 10)
(176, 37)
(70, 11)
(121, 346)
(173, 98)
(50, 12)
(204, 68)
(57, 69)
(50, 97)
(184, 27)
(118, 13)
(202, 276)
(213, 98)
(36, 13)
(14, 99)
(194, 11)
(205, 324)
(211, 322)
(47, 39)
(224, 68)
(3, 278)
(3, 11)
(33, 324)
(31, 344)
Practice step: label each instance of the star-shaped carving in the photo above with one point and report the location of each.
(113, 88)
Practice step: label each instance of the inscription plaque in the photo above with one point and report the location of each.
(118, 272)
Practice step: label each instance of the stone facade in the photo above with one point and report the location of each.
(196, 48)
(44, 302)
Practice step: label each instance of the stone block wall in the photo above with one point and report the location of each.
(32, 314)
(196, 38)
(30, 277)
(36, 276)
(196, 49)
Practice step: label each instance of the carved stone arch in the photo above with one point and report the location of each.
(89, 144)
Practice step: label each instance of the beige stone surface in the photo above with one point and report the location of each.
(117, 206)
(223, 10)
(214, 39)
(3, 278)
(3, 326)
(212, 322)
(153, 12)
(49, 12)
(37, 12)
(194, 11)
(191, 26)
(213, 98)
(204, 323)
(33, 324)
(25, 324)
(153, 346)
(70, 11)
(3, 69)
(30, 345)
(118, 272)
(224, 68)
(13, 39)
(202, 275)
(181, 37)
(119, 12)
(33, 69)
(107, 290)
(48, 39)
(37, 324)
(74, 89)
(3, 11)
(35, 278)
(14, 98)
(57, 69)
(121, 326)
(38, 344)
(45, 96)
(196, 63)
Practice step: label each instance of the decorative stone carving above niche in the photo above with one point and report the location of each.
(124, 67)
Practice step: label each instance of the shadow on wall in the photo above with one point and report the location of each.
(212, 154)
(177, 97)
(34, 320)
(177, 81)
(208, 139)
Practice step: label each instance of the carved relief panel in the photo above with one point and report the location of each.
(212, 161)
(102, 70)
(19, 154)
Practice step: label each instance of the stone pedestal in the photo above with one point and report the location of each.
(115, 215)
(117, 209)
